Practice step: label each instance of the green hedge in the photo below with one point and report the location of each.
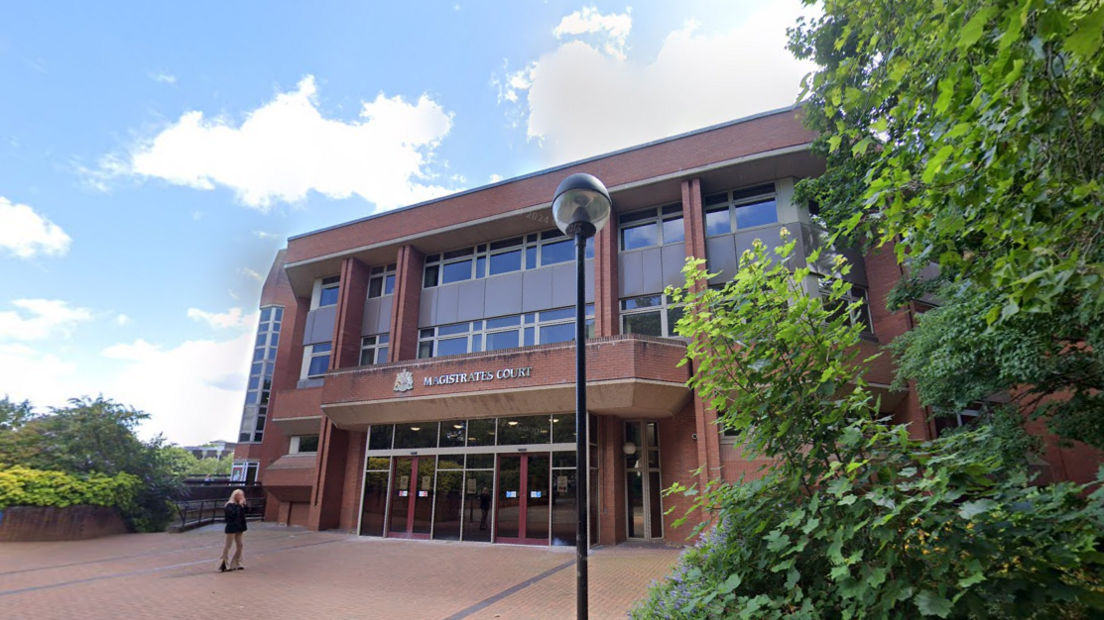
(20, 486)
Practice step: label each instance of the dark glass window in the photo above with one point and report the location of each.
(523, 430)
(380, 437)
(506, 321)
(502, 340)
(505, 262)
(481, 433)
(308, 443)
(453, 434)
(647, 301)
(430, 279)
(318, 365)
(552, 253)
(717, 222)
(674, 231)
(563, 332)
(451, 330)
(556, 315)
(419, 435)
(647, 323)
(375, 287)
(266, 314)
(452, 346)
(456, 272)
(641, 236)
(531, 258)
(563, 431)
(425, 350)
(389, 285)
(756, 214)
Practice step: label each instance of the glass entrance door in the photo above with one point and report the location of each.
(411, 497)
(523, 507)
(642, 485)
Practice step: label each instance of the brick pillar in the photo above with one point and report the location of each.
(354, 480)
(709, 441)
(611, 470)
(406, 304)
(350, 314)
(328, 493)
(606, 299)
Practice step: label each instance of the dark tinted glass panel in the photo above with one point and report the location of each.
(389, 285)
(331, 280)
(449, 496)
(563, 459)
(647, 324)
(451, 330)
(563, 430)
(590, 247)
(328, 296)
(530, 258)
(375, 501)
(400, 494)
(458, 253)
(758, 214)
(380, 437)
(647, 301)
(675, 208)
(433, 258)
(502, 340)
(552, 234)
(506, 243)
(279, 314)
(367, 357)
(381, 355)
(635, 483)
(509, 497)
(318, 365)
(674, 231)
(425, 350)
(452, 434)
(261, 424)
(271, 354)
(261, 339)
(430, 278)
(673, 316)
(456, 272)
(422, 435)
(716, 199)
(258, 368)
(640, 236)
(505, 262)
(480, 433)
(478, 503)
(244, 437)
(476, 344)
(552, 253)
(564, 516)
(506, 321)
(258, 354)
(308, 443)
(275, 340)
(423, 495)
(523, 430)
(452, 346)
(254, 383)
(654, 506)
(758, 190)
(636, 217)
(480, 461)
(556, 315)
(375, 287)
(538, 499)
(379, 463)
(258, 437)
(717, 222)
(481, 267)
(266, 314)
(564, 332)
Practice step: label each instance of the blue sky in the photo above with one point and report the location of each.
(154, 158)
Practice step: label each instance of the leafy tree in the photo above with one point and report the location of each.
(14, 415)
(184, 464)
(854, 519)
(971, 136)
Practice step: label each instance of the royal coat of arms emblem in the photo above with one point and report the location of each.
(404, 381)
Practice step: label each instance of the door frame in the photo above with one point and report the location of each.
(412, 498)
(646, 481)
(523, 497)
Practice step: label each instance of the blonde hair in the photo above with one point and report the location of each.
(236, 493)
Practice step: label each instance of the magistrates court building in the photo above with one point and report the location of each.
(413, 375)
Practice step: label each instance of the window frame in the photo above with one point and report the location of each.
(377, 344)
(733, 200)
(531, 256)
(261, 369)
(657, 216)
(325, 284)
(824, 284)
(478, 332)
(664, 308)
(384, 275)
(309, 354)
(294, 444)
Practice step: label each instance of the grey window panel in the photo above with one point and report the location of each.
(630, 274)
(469, 305)
(371, 316)
(503, 295)
(652, 262)
(536, 289)
(858, 267)
(563, 286)
(320, 325)
(309, 383)
(770, 237)
(673, 258)
(383, 321)
(427, 307)
(722, 257)
(588, 281)
(447, 297)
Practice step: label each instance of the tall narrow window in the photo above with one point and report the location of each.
(382, 281)
(328, 293)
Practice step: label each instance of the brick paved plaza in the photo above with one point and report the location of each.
(295, 573)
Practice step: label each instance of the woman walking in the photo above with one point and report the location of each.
(235, 527)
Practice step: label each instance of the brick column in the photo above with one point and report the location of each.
(406, 304)
(328, 493)
(350, 314)
(606, 298)
(611, 471)
(709, 441)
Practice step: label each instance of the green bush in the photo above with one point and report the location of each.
(20, 486)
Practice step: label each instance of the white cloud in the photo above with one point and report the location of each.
(232, 318)
(286, 148)
(580, 100)
(251, 274)
(267, 235)
(25, 233)
(38, 319)
(615, 28)
(44, 379)
(123, 320)
(495, 178)
(165, 78)
(193, 392)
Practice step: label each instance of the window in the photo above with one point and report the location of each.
(328, 291)
(381, 281)
(301, 444)
(740, 209)
(856, 293)
(373, 349)
(316, 360)
(652, 227)
(508, 332)
(260, 375)
(505, 256)
(650, 315)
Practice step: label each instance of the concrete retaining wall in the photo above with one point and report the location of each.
(47, 523)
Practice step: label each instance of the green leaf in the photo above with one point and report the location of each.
(1087, 37)
(935, 164)
(972, 31)
(969, 510)
(932, 604)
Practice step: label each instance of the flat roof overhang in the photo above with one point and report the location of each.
(628, 376)
(748, 152)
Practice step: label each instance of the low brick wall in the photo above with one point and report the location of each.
(47, 523)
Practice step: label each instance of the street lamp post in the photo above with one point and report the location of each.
(581, 208)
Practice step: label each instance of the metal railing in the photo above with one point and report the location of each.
(199, 512)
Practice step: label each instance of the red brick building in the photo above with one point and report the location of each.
(414, 370)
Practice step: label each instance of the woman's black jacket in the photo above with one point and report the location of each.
(235, 518)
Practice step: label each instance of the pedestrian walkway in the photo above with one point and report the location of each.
(295, 573)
